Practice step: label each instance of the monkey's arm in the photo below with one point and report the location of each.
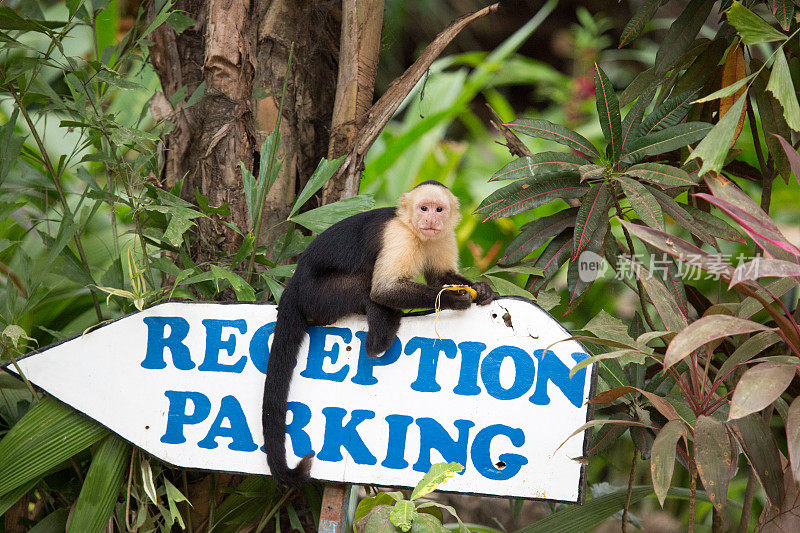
(406, 294)
(451, 277)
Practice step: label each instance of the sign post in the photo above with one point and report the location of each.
(488, 387)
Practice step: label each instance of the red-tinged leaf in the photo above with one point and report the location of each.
(578, 279)
(764, 268)
(610, 395)
(792, 156)
(643, 82)
(606, 436)
(643, 202)
(608, 113)
(638, 21)
(726, 190)
(793, 437)
(536, 233)
(748, 349)
(680, 215)
(734, 70)
(712, 453)
(772, 120)
(662, 457)
(593, 423)
(544, 129)
(664, 175)
(528, 193)
(705, 330)
(633, 119)
(662, 405)
(769, 238)
(762, 452)
(551, 259)
(783, 11)
(785, 518)
(671, 314)
(759, 387)
(669, 113)
(592, 214)
(681, 34)
(714, 226)
(666, 140)
(538, 164)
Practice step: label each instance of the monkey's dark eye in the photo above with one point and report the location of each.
(438, 209)
(424, 208)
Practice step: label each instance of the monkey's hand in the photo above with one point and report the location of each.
(485, 293)
(455, 300)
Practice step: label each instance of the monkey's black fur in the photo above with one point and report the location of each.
(333, 279)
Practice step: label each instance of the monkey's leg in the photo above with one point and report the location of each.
(383, 323)
(326, 300)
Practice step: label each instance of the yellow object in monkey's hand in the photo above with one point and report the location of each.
(469, 290)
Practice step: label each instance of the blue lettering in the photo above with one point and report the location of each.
(215, 344)
(338, 436)
(395, 449)
(434, 436)
(523, 376)
(317, 353)
(468, 377)
(301, 416)
(552, 369)
(259, 346)
(157, 342)
(177, 417)
(509, 464)
(364, 375)
(429, 350)
(237, 429)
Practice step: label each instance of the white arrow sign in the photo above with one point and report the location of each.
(184, 382)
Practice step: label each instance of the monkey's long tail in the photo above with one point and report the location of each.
(289, 331)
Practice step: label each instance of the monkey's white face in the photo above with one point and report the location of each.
(431, 212)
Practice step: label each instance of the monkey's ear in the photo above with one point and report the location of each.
(405, 201)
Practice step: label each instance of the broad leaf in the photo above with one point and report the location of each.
(577, 280)
(608, 113)
(752, 28)
(536, 233)
(48, 434)
(668, 114)
(713, 149)
(713, 225)
(747, 350)
(436, 475)
(378, 521)
(662, 457)
(791, 154)
(666, 140)
(783, 11)
(773, 123)
(762, 453)
(320, 177)
(764, 268)
(550, 260)
(643, 202)
(102, 486)
(538, 164)
(725, 91)
(321, 218)
(592, 214)
(712, 452)
(638, 21)
(528, 193)
(735, 68)
(544, 129)
(670, 312)
(681, 34)
(793, 437)
(759, 387)
(780, 84)
(402, 514)
(705, 330)
(664, 175)
(633, 119)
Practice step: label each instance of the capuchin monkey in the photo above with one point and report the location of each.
(365, 265)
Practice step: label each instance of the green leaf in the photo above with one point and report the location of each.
(370, 502)
(705, 330)
(681, 35)
(667, 308)
(250, 188)
(180, 22)
(538, 164)
(773, 123)
(544, 129)
(666, 140)
(633, 119)
(577, 281)
(428, 523)
(48, 434)
(197, 95)
(638, 21)
(713, 149)
(102, 486)
(9, 20)
(402, 514)
(752, 28)
(780, 84)
(725, 91)
(662, 457)
(550, 260)
(760, 386)
(378, 521)
(525, 194)
(763, 454)
(10, 145)
(536, 233)
(712, 452)
(173, 497)
(320, 177)
(55, 522)
(321, 218)
(504, 287)
(664, 175)
(713, 225)
(244, 292)
(592, 214)
(643, 202)
(10, 498)
(608, 112)
(160, 18)
(437, 474)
